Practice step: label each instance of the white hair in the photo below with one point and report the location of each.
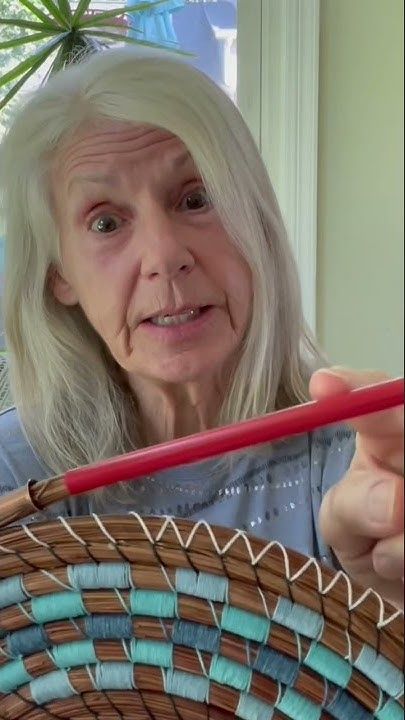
(70, 393)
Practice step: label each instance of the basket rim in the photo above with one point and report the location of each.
(154, 530)
(173, 551)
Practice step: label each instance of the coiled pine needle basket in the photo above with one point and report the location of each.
(131, 617)
(157, 619)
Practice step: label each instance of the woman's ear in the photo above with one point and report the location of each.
(61, 289)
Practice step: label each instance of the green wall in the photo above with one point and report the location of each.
(361, 183)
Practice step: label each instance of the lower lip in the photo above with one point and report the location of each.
(177, 333)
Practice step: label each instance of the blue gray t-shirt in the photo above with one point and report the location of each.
(274, 493)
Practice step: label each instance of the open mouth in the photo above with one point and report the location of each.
(182, 318)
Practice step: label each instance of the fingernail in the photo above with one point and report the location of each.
(380, 502)
(335, 371)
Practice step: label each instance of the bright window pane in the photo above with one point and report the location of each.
(209, 30)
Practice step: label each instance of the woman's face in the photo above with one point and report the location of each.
(145, 255)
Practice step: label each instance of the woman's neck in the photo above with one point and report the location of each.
(168, 412)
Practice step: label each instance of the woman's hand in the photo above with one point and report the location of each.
(362, 517)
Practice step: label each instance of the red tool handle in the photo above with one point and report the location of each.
(269, 428)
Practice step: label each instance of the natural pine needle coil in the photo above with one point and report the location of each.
(129, 617)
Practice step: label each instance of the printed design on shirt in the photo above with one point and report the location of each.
(254, 481)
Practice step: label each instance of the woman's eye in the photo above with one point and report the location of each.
(106, 224)
(196, 200)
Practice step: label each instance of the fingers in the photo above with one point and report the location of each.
(361, 517)
(335, 380)
(362, 508)
(388, 557)
(380, 435)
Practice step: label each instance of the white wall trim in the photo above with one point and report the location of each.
(284, 120)
(249, 59)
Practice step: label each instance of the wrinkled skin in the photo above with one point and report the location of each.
(139, 238)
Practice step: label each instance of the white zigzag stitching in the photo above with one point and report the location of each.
(169, 522)
(255, 559)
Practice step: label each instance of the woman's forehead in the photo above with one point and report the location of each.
(112, 145)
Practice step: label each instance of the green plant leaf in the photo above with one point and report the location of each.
(107, 14)
(24, 40)
(26, 64)
(56, 13)
(64, 7)
(105, 25)
(39, 14)
(68, 32)
(116, 36)
(29, 24)
(124, 38)
(82, 7)
(21, 82)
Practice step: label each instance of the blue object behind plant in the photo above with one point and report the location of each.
(156, 24)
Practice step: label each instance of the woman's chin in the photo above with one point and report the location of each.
(179, 376)
(178, 370)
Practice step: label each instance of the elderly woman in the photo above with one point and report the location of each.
(151, 293)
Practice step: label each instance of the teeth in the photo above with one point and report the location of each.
(168, 320)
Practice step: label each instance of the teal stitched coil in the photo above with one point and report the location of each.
(74, 654)
(48, 608)
(114, 676)
(108, 627)
(390, 711)
(277, 666)
(94, 576)
(319, 658)
(228, 672)
(12, 591)
(186, 685)
(152, 652)
(13, 675)
(345, 707)
(110, 675)
(328, 663)
(202, 585)
(54, 686)
(297, 707)
(27, 641)
(298, 618)
(245, 624)
(153, 603)
(250, 708)
(198, 636)
(380, 670)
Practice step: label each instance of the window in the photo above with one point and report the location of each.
(205, 28)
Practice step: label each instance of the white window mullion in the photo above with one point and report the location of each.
(280, 104)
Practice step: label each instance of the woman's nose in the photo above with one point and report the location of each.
(165, 253)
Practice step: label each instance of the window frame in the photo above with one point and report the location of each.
(278, 70)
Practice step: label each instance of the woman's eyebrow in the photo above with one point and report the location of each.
(98, 179)
(182, 159)
(177, 162)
